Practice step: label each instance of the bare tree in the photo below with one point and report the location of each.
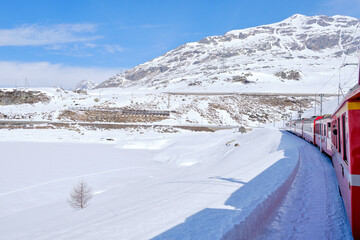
(80, 195)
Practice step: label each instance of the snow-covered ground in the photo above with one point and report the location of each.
(183, 185)
(222, 109)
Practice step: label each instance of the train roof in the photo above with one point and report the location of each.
(326, 116)
(312, 119)
(354, 94)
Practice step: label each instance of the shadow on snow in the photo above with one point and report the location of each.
(250, 203)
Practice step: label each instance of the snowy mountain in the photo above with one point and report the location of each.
(85, 85)
(277, 57)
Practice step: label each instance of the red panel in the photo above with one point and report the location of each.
(343, 183)
(314, 139)
(355, 215)
(354, 136)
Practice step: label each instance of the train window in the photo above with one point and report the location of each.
(344, 133)
(339, 138)
(320, 130)
(325, 130)
(334, 134)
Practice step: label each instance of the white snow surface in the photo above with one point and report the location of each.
(182, 185)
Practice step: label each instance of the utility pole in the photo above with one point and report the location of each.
(26, 83)
(274, 119)
(339, 88)
(222, 57)
(168, 101)
(339, 93)
(321, 101)
(315, 106)
(299, 113)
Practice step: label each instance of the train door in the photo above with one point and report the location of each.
(345, 136)
(328, 139)
(324, 136)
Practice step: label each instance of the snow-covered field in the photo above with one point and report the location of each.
(182, 185)
(215, 110)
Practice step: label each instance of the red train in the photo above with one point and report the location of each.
(338, 135)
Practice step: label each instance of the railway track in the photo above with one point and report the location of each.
(107, 125)
(254, 94)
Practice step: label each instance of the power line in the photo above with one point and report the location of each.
(343, 62)
(353, 36)
(347, 81)
(328, 80)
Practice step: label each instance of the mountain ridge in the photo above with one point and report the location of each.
(252, 59)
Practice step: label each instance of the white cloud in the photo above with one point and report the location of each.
(112, 48)
(343, 7)
(145, 26)
(44, 74)
(37, 35)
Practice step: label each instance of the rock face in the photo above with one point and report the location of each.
(84, 85)
(292, 46)
(11, 97)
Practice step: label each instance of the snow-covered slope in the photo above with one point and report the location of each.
(161, 186)
(297, 54)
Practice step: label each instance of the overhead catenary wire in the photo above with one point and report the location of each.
(352, 38)
(342, 64)
(350, 78)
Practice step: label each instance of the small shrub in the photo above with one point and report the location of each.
(80, 195)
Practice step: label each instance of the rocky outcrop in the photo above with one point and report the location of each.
(10, 97)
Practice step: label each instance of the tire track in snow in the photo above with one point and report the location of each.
(66, 179)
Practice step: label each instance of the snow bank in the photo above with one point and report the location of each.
(179, 186)
(248, 208)
(253, 224)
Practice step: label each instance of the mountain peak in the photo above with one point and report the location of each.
(84, 85)
(243, 59)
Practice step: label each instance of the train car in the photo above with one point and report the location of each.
(309, 128)
(323, 134)
(290, 126)
(298, 127)
(345, 129)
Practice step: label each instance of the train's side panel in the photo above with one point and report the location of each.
(318, 133)
(323, 135)
(299, 128)
(308, 131)
(341, 167)
(354, 160)
(346, 157)
(327, 144)
(343, 174)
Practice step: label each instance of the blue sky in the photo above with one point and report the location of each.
(58, 43)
